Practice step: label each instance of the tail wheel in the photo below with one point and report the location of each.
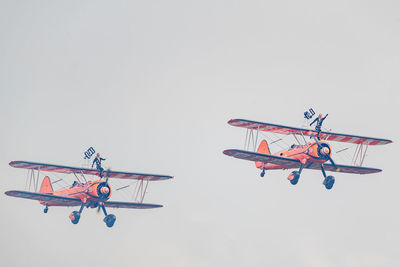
(46, 209)
(329, 182)
(75, 216)
(110, 220)
(262, 173)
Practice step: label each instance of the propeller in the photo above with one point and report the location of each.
(108, 175)
(324, 151)
(104, 191)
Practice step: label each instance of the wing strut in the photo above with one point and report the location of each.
(140, 190)
(296, 139)
(251, 139)
(77, 178)
(359, 155)
(32, 180)
(83, 176)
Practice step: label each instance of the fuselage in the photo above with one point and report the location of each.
(91, 193)
(308, 153)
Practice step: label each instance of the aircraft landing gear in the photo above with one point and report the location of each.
(329, 181)
(109, 219)
(76, 215)
(262, 173)
(294, 176)
(46, 209)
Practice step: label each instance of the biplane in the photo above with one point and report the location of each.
(82, 193)
(314, 155)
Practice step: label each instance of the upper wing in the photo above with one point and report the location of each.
(61, 201)
(280, 129)
(346, 169)
(67, 169)
(286, 163)
(130, 205)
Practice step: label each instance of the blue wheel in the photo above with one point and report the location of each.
(296, 177)
(262, 173)
(75, 216)
(110, 220)
(329, 182)
(294, 181)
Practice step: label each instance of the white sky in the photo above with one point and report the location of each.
(151, 85)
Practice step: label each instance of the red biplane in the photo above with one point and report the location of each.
(83, 193)
(306, 155)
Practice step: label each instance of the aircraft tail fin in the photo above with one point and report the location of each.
(46, 186)
(263, 148)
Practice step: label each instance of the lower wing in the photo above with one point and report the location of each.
(57, 200)
(348, 169)
(130, 205)
(286, 163)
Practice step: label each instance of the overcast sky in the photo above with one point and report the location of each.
(151, 85)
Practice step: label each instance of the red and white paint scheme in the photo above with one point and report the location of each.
(328, 136)
(89, 194)
(309, 155)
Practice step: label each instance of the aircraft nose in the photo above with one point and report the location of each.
(104, 190)
(325, 150)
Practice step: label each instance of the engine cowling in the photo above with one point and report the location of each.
(100, 189)
(322, 151)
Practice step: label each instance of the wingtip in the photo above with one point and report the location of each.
(231, 121)
(15, 162)
(227, 152)
(9, 193)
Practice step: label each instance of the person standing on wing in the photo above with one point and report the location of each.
(98, 160)
(319, 121)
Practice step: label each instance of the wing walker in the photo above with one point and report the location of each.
(83, 193)
(313, 155)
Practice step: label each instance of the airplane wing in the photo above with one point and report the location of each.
(280, 129)
(61, 201)
(346, 169)
(286, 163)
(130, 205)
(67, 169)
